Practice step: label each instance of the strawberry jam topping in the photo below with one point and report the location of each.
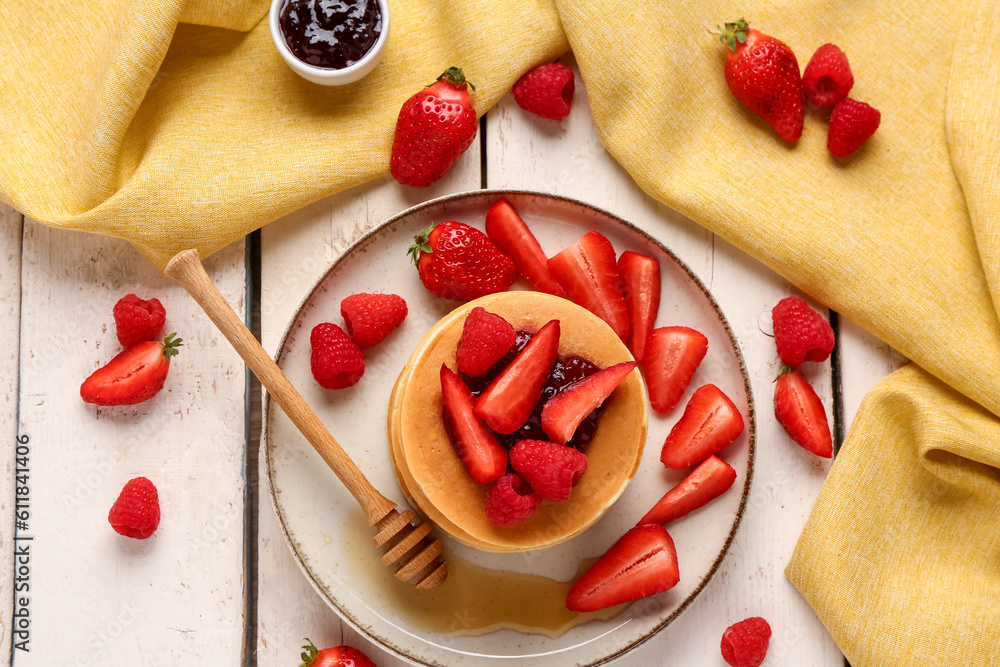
(566, 371)
(332, 34)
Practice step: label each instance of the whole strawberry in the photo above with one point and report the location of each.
(337, 656)
(827, 77)
(763, 74)
(136, 512)
(137, 320)
(435, 126)
(546, 91)
(852, 123)
(336, 360)
(456, 261)
(371, 317)
(800, 333)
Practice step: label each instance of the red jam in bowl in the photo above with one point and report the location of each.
(332, 34)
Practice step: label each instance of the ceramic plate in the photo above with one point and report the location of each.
(326, 530)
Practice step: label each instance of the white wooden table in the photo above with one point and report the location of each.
(217, 584)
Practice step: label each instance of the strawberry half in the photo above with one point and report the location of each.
(642, 562)
(483, 455)
(507, 230)
(562, 413)
(588, 271)
(435, 126)
(510, 398)
(710, 422)
(801, 413)
(486, 338)
(456, 261)
(641, 282)
(709, 480)
(135, 375)
(551, 469)
(673, 354)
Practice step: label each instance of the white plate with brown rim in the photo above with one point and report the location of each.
(331, 540)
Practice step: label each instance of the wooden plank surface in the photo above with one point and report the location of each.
(566, 157)
(179, 596)
(10, 330)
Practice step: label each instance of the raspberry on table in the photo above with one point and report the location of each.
(852, 123)
(137, 321)
(505, 503)
(744, 644)
(800, 333)
(827, 78)
(136, 512)
(546, 91)
(336, 360)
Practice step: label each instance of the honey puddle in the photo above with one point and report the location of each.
(475, 600)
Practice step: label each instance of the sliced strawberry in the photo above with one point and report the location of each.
(486, 338)
(710, 422)
(562, 413)
(673, 354)
(801, 413)
(588, 270)
(509, 233)
(133, 376)
(642, 562)
(483, 455)
(551, 469)
(510, 398)
(641, 282)
(708, 481)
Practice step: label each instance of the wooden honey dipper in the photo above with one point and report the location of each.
(408, 544)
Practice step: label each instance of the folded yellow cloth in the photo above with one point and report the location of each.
(142, 119)
(900, 558)
(174, 123)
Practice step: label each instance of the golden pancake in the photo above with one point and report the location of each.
(434, 478)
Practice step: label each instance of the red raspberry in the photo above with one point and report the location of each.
(372, 317)
(827, 78)
(136, 513)
(551, 469)
(800, 333)
(506, 505)
(486, 338)
(546, 91)
(744, 644)
(137, 321)
(851, 124)
(336, 360)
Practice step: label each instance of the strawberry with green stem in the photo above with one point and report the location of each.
(435, 126)
(763, 74)
(133, 376)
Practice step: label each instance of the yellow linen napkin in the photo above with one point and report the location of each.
(175, 123)
(160, 122)
(900, 557)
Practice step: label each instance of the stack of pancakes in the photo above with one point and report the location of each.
(433, 476)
